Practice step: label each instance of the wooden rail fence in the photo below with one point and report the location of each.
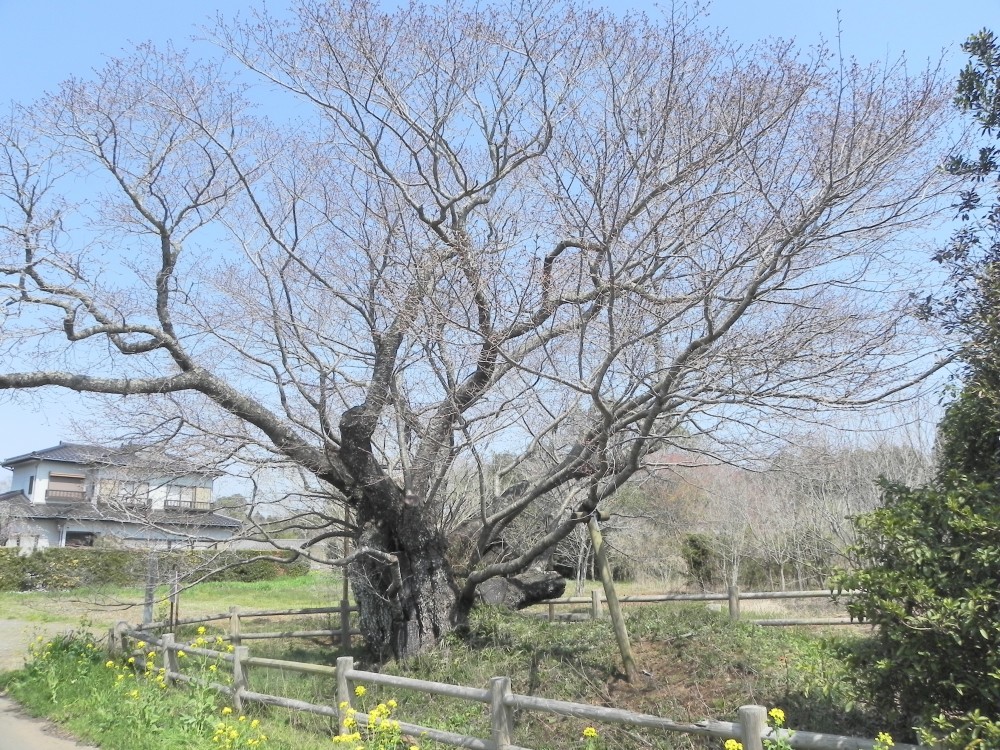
(236, 616)
(750, 728)
(733, 596)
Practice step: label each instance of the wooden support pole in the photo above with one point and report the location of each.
(552, 612)
(234, 626)
(344, 694)
(150, 593)
(501, 715)
(753, 724)
(614, 608)
(345, 624)
(170, 660)
(595, 605)
(734, 602)
(240, 655)
(175, 599)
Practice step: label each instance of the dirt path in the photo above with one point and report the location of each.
(16, 635)
(18, 731)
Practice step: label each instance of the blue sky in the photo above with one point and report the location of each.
(44, 41)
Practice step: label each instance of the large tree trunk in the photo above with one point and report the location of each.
(407, 606)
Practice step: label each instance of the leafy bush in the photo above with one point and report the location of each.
(929, 582)
(57, 569)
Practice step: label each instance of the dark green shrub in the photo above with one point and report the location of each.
(704, 567)
(11, 570)
(58, 569)
(929, 580)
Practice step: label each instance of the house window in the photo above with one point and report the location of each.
(133, 494)
(184, 498)
(66, 488)
(79, 539)
(31, 485)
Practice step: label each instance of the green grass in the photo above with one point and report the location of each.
(697, 665)
(106, 605)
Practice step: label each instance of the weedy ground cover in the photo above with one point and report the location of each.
(695, 662)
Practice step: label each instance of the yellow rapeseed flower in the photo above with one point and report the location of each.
(181, 655)
(777, 715)
(884, 739)
(202, 630)
(226, 711)
(109, 664)
(141, 644)
(360, 690)
(733, 745)
(255, 723)
(590, 733)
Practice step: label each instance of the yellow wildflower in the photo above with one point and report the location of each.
(392, 704)
(226, 711)
(181, 655)
(202, 630)
(109, 664)
(777, 716)
(141, 644)
(255, 723)
(733, 745)
(360, 690)
(884, 740)
(590, 733)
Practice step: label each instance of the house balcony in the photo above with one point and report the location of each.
(65, 496)
(187, 505)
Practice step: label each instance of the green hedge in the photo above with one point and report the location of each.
(59, 569)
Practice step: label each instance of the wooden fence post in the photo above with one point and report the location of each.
(170, 660)
(345, 624)
(552, 612)
(734, 603)
(116, 638)
(753, 723)
(344, 695)
(240, 655)
(234, 626)
(501, 715)
(595, 605)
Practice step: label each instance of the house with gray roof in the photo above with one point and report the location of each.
(80, 495)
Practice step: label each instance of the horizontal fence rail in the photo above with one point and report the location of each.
(751, 728)
(236, 616)
(733, 596)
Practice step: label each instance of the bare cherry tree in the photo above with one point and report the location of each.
(537, 231)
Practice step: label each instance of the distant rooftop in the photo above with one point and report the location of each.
(17, 502)
(133, 456)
